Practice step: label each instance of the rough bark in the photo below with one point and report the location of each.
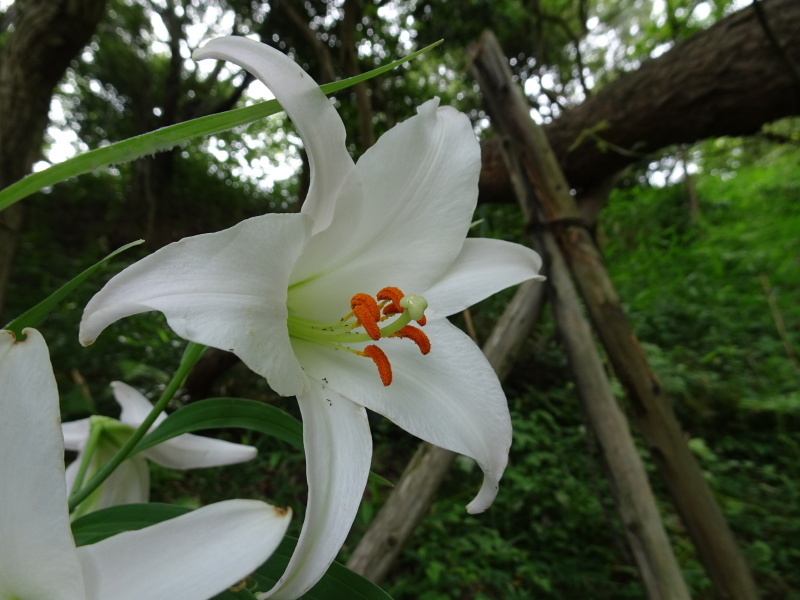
(413, 495)
(651, 409)
(730, 79)
(45, 37)
(352, 16)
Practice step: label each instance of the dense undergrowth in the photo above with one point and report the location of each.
(714, 301)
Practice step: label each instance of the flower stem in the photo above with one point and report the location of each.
(95, 431)
(190, 356)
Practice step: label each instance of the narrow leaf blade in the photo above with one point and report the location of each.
(166, 138)
(35, 315)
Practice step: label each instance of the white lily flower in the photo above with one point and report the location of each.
(192, 557)
(130, 482)
(293, 295)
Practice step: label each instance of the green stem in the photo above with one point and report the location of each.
(95, 431)
(190, 357)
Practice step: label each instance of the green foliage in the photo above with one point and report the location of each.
(704, 297)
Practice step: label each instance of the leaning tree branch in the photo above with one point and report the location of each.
(726, 80)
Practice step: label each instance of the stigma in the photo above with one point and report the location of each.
(386, 315)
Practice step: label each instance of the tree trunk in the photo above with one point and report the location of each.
(730, 79)
(413, 495)
(650, 407)
(46, 35)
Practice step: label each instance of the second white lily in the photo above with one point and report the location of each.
(130, 481)
(313, 302)
(192, 557)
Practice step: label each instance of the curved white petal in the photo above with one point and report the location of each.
(451, 397)
(482, 268)
(420, 188)
(135, 406)
(186, 451)
(192, 557)
(225, 289)
(338, 453)
(316, 119)
(75, 433)
(189, 451)
(37, 554)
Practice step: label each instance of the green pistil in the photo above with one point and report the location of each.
(339, 332)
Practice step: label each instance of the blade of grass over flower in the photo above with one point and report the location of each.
(338, 582)
(168, 137)
(33, 316)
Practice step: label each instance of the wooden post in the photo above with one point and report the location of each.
(651, 408)
(414, 492)
(636, 504)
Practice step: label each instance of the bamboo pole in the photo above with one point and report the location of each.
(650, 407)
(414, 493)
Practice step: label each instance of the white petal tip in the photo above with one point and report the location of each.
(204, 51)
(485, 496)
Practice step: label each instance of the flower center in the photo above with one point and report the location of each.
(387, 315)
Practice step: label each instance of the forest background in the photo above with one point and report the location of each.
(691, 166)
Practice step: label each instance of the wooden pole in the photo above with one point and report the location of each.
(650, 407)
(636, 504)
(413, 494)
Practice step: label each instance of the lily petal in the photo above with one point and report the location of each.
(482, 268)
(189, 451)
(185, 451)
(317, 121)
(37, 554)
(420, 188)
(75, 433)
(207, 550)
(135, 406)
(338, 452)
(450, 398)
(225, 289)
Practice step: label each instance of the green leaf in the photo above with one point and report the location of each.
(339, 582)
(35, 315)
(220, 413)
(167, 137)
(216, 413)
(104, 523)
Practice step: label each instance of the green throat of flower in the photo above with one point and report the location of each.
(389, 307)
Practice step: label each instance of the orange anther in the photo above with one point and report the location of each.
(392, 309)
(378, 356)
(416, 336)
(393, 295)
(421, 322)
(368, 314)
